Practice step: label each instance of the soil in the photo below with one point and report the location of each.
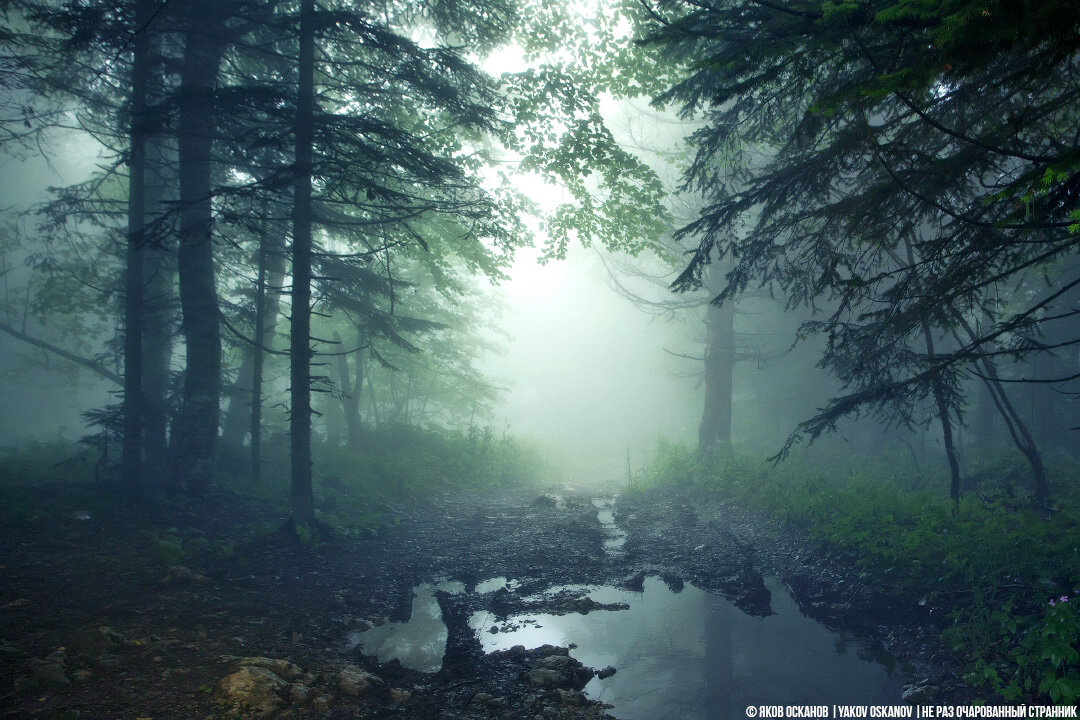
(142, 609)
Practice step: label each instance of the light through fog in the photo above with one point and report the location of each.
(584, 370)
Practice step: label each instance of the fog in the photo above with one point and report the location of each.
(585, 370)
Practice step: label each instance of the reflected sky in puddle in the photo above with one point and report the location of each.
(419, 643)
(695, 655)
(614, 536)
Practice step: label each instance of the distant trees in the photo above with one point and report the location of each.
(946, 128)
(311, 158)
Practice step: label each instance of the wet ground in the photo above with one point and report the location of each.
(697, 606)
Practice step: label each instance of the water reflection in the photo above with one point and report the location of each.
(418, 644)
(695, 655)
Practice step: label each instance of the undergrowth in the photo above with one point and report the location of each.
(1005, 573)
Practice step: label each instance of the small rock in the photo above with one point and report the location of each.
(280, 667)
(354, 681)
(542, 677)
(481, 698)
(299, 693)
(571, 697)
(546, 500)
(252, 689)
(82, 675)
(546, 650)
(400, 696)
(179, 573)
(920, 691)
(109, 661)
(531, 700)
(494, 629)
(517, 651)
(635, 582)
(322, 703)
(606, 672)
(98, 641)
(555, 662)
(49, 673)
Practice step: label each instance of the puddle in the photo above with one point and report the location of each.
(614, 536)
(496, 583)
(690, 654)
(418, 644)
(695, 655)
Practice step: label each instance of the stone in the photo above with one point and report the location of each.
(82, 675)
(481, 698)
(400, 696)
(606, 673)
(635, 582)
(322, 703)
(555, 662)
(354, 681)
(254, 690)
(279, 666)
(920, 691)
(299, 693)
(49, 672)
(542, 677)
(571, 697)
(98, 641)
(546, 500)
(546, 650)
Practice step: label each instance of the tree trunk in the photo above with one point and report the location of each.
(351, 387)
(258, 355)
(238, 416)
(159, 308)
(131, 451)
(303, 504)
(1015, 424)
(715, 428)
(195, 436)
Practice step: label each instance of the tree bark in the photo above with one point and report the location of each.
(303, 504)
(351, 387)
(159, 308)
(132, 448)
(195, 436)
(715, 428)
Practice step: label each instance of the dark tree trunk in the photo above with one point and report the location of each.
(938, 390)
(131, 452)
(351, 387)
(303, 504)
(258, 355)
(159, 309)
(195, 435)
(715, 428)
(944, 417)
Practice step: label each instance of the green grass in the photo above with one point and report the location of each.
(992, 561)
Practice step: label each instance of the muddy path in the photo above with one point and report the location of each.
(98, 619)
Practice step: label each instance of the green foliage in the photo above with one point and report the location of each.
(997, 566)
(356, 487)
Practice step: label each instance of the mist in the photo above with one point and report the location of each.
(489, 359)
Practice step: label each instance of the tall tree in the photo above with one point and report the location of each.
(872, 137)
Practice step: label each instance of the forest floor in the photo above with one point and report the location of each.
(198, 608)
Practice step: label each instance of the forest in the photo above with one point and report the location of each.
(471, 359)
